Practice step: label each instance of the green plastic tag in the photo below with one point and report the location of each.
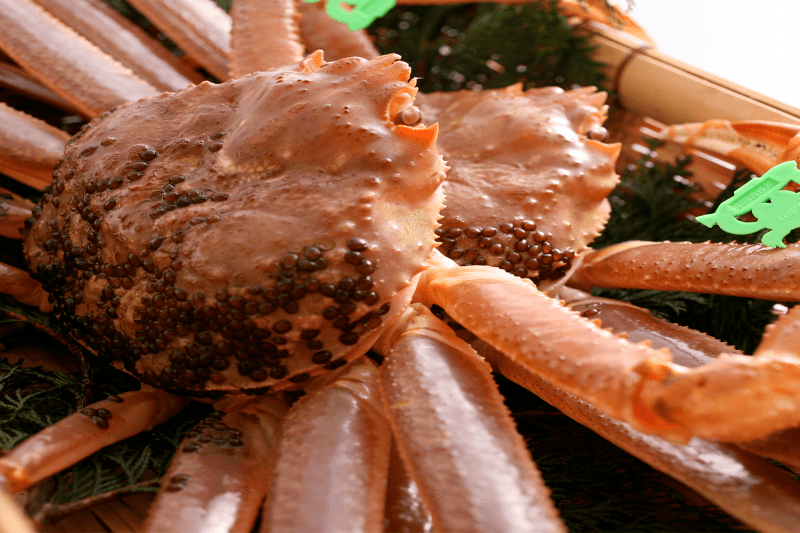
(360, 14)
(775, 209)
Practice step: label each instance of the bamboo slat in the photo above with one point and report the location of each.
(654, 84)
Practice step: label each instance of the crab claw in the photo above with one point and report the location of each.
(758, 145)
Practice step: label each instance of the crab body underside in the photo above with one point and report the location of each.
(264, 233)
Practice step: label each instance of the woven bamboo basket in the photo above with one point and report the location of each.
(652, 90)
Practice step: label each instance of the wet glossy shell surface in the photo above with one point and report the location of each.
(245, 234)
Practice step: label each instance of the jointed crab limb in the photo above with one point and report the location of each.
(200, 27)
(514, 317)
(319, 31)
(264, 35)
(631, 382)
(83, 433)
(14, 519)
(68, 64)
(405, 511)
(124, 41)
(688, 347)
(780, 338)
(758, 145)
(455, 434)
(332, 464)
(218, 479)
(762, 495)
(26, 290)
(29, 148)
(691, 348)
(750, 270)
(759, 494)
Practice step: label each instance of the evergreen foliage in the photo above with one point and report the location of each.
(488, 46)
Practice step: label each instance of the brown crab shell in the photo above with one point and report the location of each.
(242, 235)
(532, 194)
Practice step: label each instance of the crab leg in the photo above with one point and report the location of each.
(18, 81)
(334, 454)
(630, 382)
(124, 41)
(750, 270)
(65, 62)
(405, 510)
(320, 32)
(264, 35)
(81, 434)
(29, 148)
(200, 27)
(688, 347)
(14, 210)
(218, 479)
(446, 413)
(14, 519)
(763, 496)
(23, 288)
(512, 316)
(758, 145)
(691, 348)
(759, 494)
(780, 337)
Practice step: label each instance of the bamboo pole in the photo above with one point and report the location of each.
(654, 84)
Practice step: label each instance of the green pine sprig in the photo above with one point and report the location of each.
(488, 46)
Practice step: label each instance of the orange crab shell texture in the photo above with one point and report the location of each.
(534, 193)
(245, 234)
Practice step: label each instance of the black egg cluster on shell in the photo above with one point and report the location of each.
(517, 247)
(224, 332)
(100, 417)
(212, 431)
(195, 336)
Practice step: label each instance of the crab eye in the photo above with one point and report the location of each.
(410, 116)
(598, 134)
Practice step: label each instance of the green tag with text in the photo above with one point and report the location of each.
(775, 209)
(357, 14)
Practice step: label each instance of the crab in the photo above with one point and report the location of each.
(200, 292)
